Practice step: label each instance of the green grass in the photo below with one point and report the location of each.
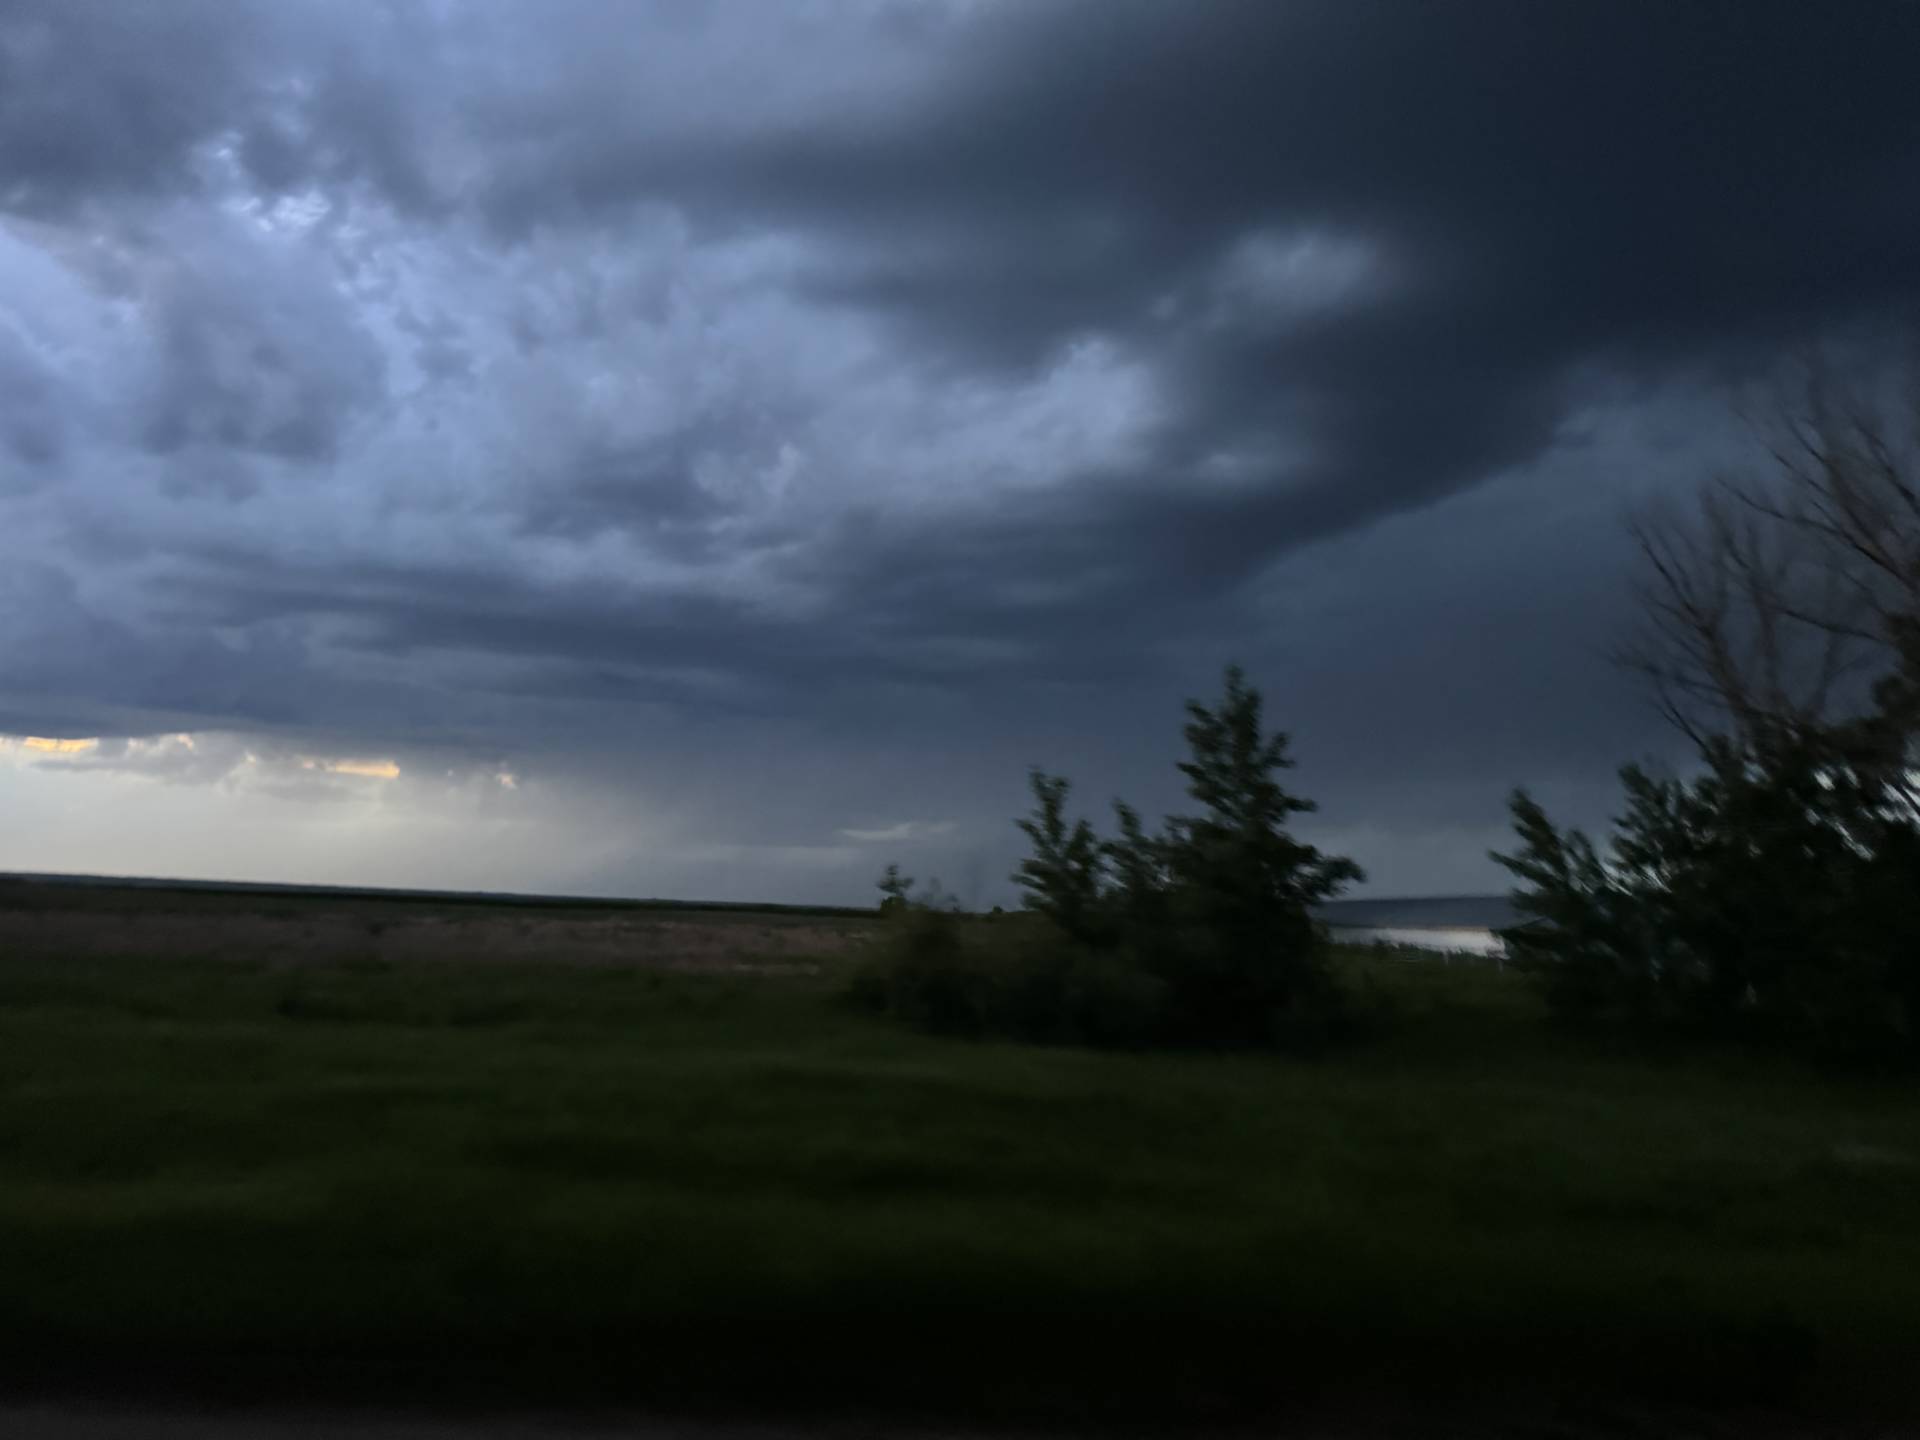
(581, 1185)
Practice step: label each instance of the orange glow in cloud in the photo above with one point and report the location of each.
(57, 747)
(373, 769)
(367, 769)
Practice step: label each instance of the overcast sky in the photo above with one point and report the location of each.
(713, 450)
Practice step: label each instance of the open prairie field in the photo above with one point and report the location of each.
(480, 1157)
(290, 927)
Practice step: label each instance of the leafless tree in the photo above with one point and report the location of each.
(1785, 609)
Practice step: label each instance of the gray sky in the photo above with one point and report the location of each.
(712, 450)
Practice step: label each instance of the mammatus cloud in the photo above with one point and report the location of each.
(783, 417)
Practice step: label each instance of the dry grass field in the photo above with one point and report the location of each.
(292, 928)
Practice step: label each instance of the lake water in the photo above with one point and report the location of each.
(1451, 940)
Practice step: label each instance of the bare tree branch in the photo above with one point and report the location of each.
(1787, 605)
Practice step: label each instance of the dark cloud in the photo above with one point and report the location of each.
(252, 358)
(1548, 186)
(104, 100)
(30, 423)
(910, 388)
(101, 101)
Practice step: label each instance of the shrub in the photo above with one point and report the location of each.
(895, 890)
(1201, 935)
(1770, 896)
(926, 976)
(1039, 985)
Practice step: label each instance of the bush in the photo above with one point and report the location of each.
(938, 974)
(1771, 896)
(927, 976)
(1201, 935)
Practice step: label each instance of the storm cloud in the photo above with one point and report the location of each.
(762, 431)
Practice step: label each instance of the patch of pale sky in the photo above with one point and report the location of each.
(900, 833)
(1272, 277)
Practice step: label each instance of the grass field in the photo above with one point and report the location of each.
(478, 1181)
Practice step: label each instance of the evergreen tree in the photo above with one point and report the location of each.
(1063, 875)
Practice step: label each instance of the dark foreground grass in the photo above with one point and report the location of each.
(474, 1185)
